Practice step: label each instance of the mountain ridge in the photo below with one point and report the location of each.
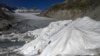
(71, 9)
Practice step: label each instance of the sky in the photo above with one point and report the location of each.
(41, 4)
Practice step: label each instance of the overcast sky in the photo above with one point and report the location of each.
(41, 4)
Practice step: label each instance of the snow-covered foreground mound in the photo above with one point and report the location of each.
(64, 38)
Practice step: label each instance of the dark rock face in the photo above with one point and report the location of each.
(4, 8)
(5, 17)
(71, 9)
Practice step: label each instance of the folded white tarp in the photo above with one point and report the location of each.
(64, 38)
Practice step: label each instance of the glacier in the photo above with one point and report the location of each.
(65, 38)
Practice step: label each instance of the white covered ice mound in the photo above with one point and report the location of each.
(79, 37)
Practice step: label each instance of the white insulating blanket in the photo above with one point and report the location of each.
(64, 38)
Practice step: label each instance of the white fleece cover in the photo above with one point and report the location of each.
(66, 38)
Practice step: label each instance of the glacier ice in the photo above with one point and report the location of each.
(64, 38)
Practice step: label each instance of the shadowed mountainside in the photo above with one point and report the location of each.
(5, 17)
(71, 9)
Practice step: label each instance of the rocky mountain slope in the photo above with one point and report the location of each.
(5, 17)
(71, 9)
